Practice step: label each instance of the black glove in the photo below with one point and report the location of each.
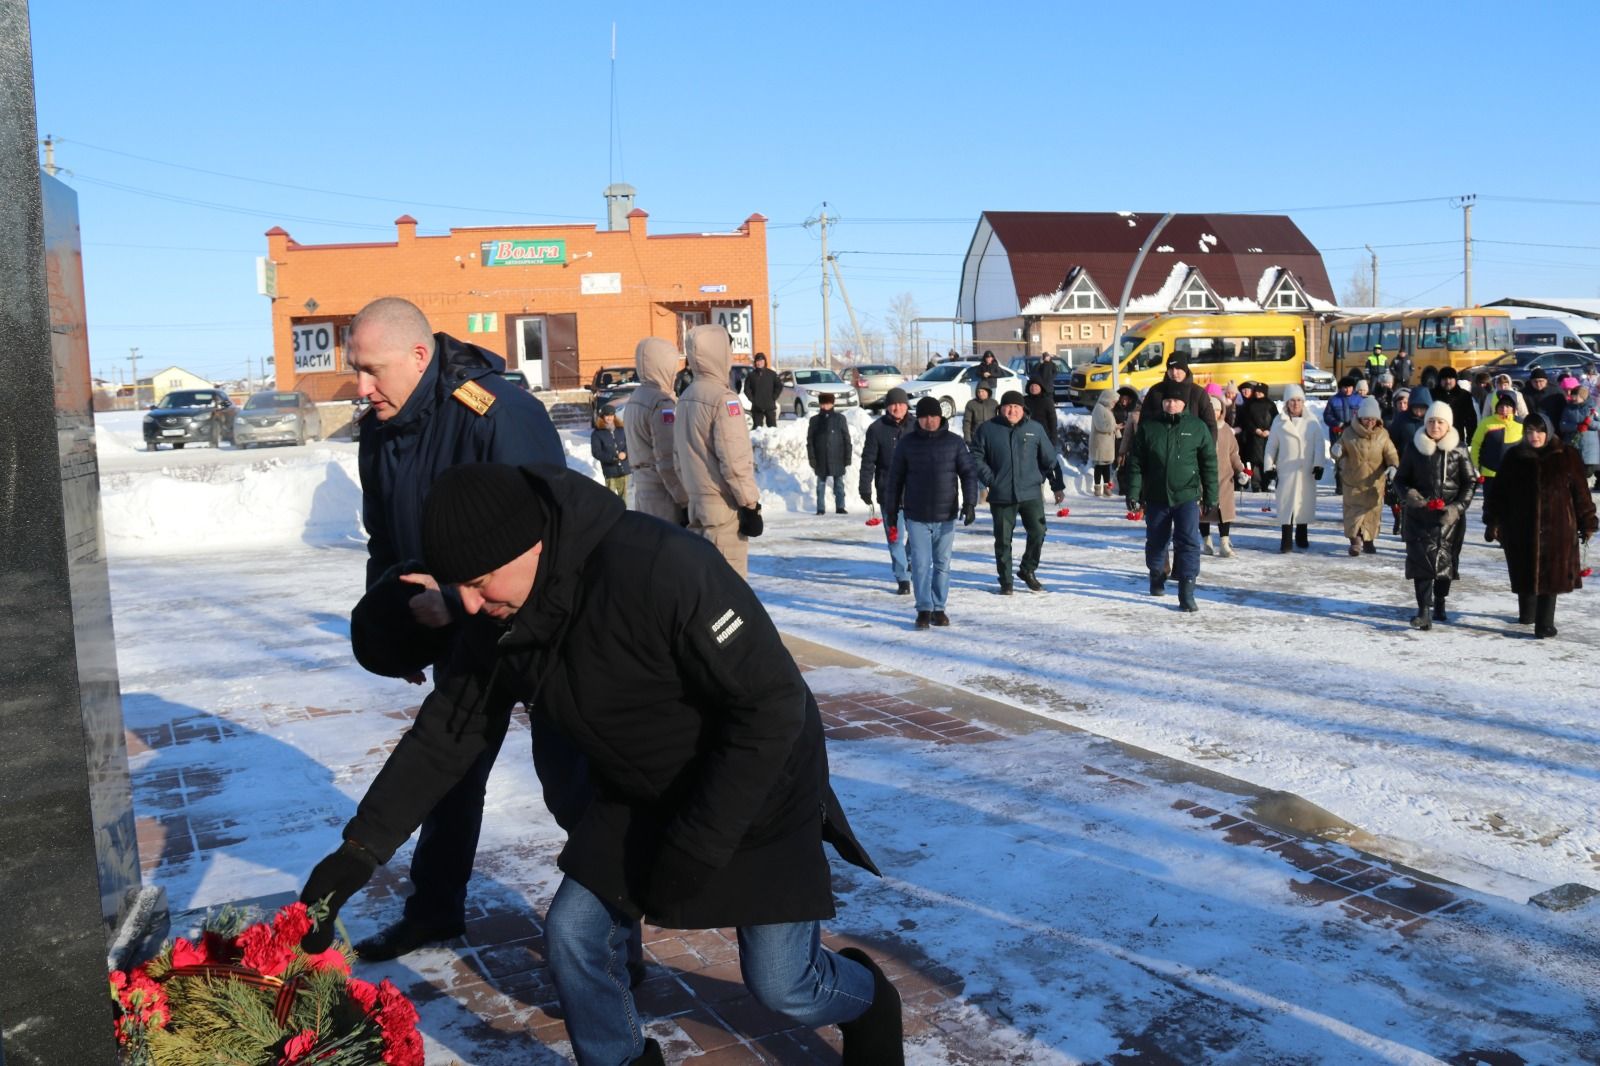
(1316, 472)
(969, 514)
(675, 877)
(866, 498)
(750, 521)
(335, 879)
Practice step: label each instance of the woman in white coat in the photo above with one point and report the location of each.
(1295, 448)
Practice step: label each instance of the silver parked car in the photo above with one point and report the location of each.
(872, 381)
(802, 387)
(277, 418)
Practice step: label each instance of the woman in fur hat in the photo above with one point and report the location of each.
(1539, 507)
(1435, 485)
(1364, 456)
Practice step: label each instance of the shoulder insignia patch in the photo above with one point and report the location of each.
(667, 416)
(475, 396)
(726, 627)
(734, 409)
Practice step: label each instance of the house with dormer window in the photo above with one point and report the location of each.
(1035, 281)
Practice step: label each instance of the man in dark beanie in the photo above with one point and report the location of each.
(1172, 477)
(932, 478)
(436, 402)
(1194, 395)
(711, 799)
(877, 449)
(1015, 457)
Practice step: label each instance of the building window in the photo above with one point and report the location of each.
(488, 322)
(1194, 296)
(1286, 296)
(1082, 295)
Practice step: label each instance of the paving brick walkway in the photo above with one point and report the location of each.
(693, 998)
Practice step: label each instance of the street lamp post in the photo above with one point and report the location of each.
(1127, 291)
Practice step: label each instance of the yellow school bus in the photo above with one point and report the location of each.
(1437, 337)
(1265, 346)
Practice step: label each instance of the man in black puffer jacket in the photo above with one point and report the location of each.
(930, 466)
(762, 388)
(711, 799)
(876, 453)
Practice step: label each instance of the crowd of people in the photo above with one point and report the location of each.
(662, 702)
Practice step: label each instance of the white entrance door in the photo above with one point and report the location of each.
(531, 352)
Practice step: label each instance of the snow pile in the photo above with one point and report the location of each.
(783, 472)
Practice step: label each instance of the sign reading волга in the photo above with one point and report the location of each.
(313, 347)
(523, 253)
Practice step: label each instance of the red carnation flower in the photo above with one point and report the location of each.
(290, 924)
(262, 951)
(365, 993)
(1436, 504)
(332, 959)
(297, 1046)
(187, 954)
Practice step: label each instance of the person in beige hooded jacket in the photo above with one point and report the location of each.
(712, 447)
(652, 414)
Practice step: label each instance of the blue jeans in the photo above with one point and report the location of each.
(1180, 524)
(897, 548)
(838, 491)
(784, 966)
(928, 549)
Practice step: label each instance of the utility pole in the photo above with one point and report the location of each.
(861, 346)
(773, 363)
(133, 359)
(1375, 301)
(827, 350)
(1465, 203)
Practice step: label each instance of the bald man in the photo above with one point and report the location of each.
(436, 402)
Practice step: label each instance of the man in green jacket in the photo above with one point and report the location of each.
(1015, 457)
(1172, 472)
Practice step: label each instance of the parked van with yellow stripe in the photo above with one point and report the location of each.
(1266, 346)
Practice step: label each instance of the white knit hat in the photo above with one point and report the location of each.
(1293, 392)
(1442, 411)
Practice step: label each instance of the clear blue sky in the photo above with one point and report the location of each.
(478, 113)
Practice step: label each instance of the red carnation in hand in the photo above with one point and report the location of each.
(297, 1046)
(290, 924)
(1436, 504)
(262, 951)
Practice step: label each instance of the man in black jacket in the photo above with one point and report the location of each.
(930, 466)
(876, 453)
(1462, 405)
(762, 388)
(711, 802)
(828, 449)
(1194, 397)
(1014, 458)
(436, 402)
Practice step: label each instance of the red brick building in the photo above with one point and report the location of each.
(556, 301)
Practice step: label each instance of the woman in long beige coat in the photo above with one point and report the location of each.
(1364, 455)
(1229, 467)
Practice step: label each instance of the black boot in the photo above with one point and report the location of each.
(1524, 608)
(1158, 583)
(1544, 625)
(924, 619)
(1302, 538)
(1287, 544)
(1441, 589)
(1423, 619)
(404, 937)
(651, 1056)
(874, 1039)
(1186, 596)
(1368, 548)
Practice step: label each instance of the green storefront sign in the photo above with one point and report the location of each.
(523, 253)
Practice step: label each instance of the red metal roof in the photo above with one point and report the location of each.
(1044, 246)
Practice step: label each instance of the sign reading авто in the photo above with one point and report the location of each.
(313, 347)
(523, 253)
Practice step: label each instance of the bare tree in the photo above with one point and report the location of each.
(845, 349)
(898, 325)
(1358, 290)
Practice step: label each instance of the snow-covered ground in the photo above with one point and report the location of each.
(1471, 751)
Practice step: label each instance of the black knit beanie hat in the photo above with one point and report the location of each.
(477, 518)
(1013, 397)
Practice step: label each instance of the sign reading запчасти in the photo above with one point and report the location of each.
(523, 253)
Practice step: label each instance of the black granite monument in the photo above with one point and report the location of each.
(70, 893)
